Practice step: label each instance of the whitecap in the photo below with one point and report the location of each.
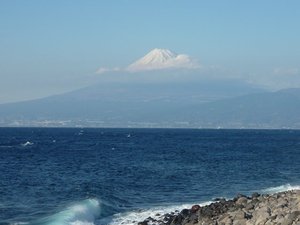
(27, 143)
(81, 132)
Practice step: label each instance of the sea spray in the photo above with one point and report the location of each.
(82, 213)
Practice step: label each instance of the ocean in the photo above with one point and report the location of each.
(78, 176)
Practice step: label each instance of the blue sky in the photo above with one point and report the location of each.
(49, 47)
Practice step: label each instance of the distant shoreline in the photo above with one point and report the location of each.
(148, 128)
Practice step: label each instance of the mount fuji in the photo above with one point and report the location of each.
(157, 59)
(163, 59)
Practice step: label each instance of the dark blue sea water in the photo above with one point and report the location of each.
(114, 176)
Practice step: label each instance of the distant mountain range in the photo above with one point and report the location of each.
(135, 97)
(159, 106)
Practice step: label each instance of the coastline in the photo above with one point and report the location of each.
(258, 209)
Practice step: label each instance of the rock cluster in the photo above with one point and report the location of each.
(280, 208)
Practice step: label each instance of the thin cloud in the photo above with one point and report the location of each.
(102, 70)
(277, 78)
(286, 71)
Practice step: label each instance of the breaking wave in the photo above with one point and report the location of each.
(82, 213)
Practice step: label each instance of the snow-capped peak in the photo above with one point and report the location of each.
(162, 59)
(157, 56)
(157, 59)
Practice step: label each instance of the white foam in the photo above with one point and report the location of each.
(131, 218)
(281, 188)
(83, 213)
(27, 143)
(81, 132)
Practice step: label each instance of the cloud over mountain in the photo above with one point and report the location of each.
(158, 59)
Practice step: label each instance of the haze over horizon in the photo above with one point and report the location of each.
(54, 47)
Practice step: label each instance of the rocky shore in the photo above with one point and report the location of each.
(280, 208)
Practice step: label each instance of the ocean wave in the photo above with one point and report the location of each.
(132, 217)
(281, 188)
(82, 213)
(87, 212)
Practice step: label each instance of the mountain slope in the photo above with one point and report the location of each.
(263, 110)
(120, 103)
